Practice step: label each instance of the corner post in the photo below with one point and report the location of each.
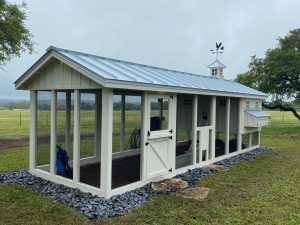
(53, 135)
(76, 138)
(98, 114)
(33, 129)
(106, 141)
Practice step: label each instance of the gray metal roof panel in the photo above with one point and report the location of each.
(257, 113)
(117, 70)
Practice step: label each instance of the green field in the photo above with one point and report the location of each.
(260, 191)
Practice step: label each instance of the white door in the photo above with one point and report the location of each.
(158, 145)
(204, 137)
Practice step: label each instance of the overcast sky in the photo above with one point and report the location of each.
(173, 34)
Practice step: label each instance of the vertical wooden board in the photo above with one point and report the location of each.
(33, 130)
(58, 74)
(106, 141)
(67, 73)
(76, 138)
(75, 79)
(213, 124)
(144, 130)
(194, 131)
(174, 125)
(53, 134)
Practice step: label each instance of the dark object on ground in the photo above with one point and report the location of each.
(183, 147)
(233, 145)
(62, 162)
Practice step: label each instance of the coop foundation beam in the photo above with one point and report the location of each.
(76, 138)
(213, 124)
(33, 129)
(53, 134)
(194, 128)
(106, 141)
(227, 126)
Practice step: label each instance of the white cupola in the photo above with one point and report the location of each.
(216, 69)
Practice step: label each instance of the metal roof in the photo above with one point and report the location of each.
(257, 113)
(126, 73)
(216, 64)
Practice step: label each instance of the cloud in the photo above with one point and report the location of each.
(171, 34)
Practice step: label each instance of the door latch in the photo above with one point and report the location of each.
(171, 131)
(148, 133)
(170, 170)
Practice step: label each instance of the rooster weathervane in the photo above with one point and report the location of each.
(218, 50)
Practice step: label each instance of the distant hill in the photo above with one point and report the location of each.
(14, 104)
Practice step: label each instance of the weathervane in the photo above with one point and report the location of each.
(218, 50)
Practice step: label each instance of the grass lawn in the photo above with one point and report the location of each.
(261, 191)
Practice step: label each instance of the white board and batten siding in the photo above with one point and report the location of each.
(59, 76)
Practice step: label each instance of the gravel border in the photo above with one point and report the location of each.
(96, 208)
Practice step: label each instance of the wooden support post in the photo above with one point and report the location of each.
(213, 124)
(68, 123)
(33, 129)
(173, 125)
(106, 141)
(144, 129)
(194, 130)
(239, 130)
(98, 114)
(76, 138)
(53, 134)
(227, 131)
(122, 143)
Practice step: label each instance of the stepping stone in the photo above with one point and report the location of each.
(218, 168)
(197, 193)
(169, 184)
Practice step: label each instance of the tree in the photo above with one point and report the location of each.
(15, 38)
(277, 74)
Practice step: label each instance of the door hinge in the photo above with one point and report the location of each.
(147, 143)
(171, 131)
(171, 97)
(171, 137)
(148, 133)
(170, 170)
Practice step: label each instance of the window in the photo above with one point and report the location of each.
(159, 113)
(221, 72)
(214, 72)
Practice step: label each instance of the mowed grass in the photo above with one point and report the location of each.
(260, 191)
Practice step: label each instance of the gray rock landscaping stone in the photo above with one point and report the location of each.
(97, 208)
(169, 184)
(197, 193)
